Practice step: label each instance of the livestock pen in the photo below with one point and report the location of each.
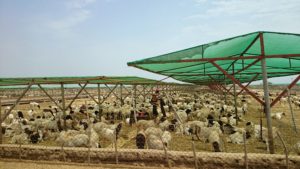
(179, 151)
(225, 124)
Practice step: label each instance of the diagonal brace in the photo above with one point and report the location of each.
(88, 94)
(17, 101)
(82, 88)
(253, 79)
(237, 82)
(112, 91)
(104, 99)
(51, 98)
(294, 82)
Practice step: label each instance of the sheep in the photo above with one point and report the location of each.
(19, 139)
(34, 105)
(283, 100)
(297, 147)
(73, 138)
(192, 127)
(51, 124)
(183, 115)
(154, 142)
(277, 115)
(215, 140)
(144, 124)
(109, 132)
(156, 138)
(164, 125)
(166, 138)
(237, 137)
(256, 130)
(140, 140)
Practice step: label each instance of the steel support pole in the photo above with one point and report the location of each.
(134, 99)
(225, 93)
(0, 122)
(234, 95)
(99, 101)
(267, 106)
(63, 104)
(121, 95)
(235, 103)
(144, 92)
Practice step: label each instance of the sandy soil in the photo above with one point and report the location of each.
(15, 164)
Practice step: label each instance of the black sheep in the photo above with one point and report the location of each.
(85, 125)
(34, 138)
(140, 141)
(216, 147)
(20, 115)
(210, 119)
(118, 129)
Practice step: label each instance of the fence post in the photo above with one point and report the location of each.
(166, 153)
(195, 156)
(116, 148)
(291, 109)
(63, 152)
(89, 133)
(20, 151)
(285, 150)
(245, 151)
(0, 122)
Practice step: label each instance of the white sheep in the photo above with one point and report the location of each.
(73, 138)
(297, 147)
(156, 138)
(20, 139)
(144, 124)
(34, 105)
(164, 125)
(277, 115)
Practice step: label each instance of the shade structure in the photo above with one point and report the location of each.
(239, 56)
(126, 80)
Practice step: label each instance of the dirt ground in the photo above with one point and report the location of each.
(15, 164)
(183, 143)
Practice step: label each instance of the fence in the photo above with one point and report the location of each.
(182, 150)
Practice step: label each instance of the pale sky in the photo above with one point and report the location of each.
(98, 37)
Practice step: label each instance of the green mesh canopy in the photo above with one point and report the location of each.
(240, 56)
(126, 80)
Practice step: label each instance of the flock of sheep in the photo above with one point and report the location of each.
(202, 116)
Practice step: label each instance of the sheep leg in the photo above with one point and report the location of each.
(267, 143)
(198, 130)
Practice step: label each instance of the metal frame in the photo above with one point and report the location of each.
(86, 81)
(293, 83)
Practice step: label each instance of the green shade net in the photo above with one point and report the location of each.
(282, 51)
(126, 80)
